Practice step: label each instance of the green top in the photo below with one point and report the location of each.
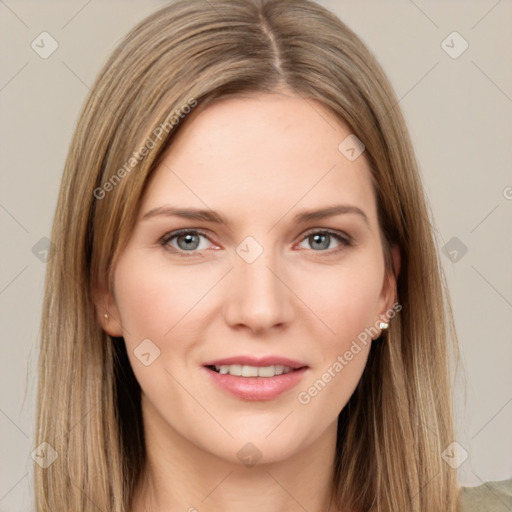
(488, 497)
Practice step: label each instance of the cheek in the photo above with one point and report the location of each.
(347, 310)
(347, 304)
(161, 303)
(153, 300)
(346, 301)
(153, 297)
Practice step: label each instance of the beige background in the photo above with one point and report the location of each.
(459, 113)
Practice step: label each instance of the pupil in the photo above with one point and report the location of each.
(324, 245)
(189, 241)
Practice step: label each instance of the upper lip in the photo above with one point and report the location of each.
(257, 361)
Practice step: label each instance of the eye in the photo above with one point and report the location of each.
(320, 240)
(187, 240)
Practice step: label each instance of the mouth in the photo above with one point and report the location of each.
(239, 370)
(256, 381)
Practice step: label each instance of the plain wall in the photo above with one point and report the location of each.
(459, 114)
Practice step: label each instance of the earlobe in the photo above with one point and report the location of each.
(107, 312)
(389, 291)
(111, 325)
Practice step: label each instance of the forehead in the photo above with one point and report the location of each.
(261, 153)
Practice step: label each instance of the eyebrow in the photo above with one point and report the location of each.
(214, 217)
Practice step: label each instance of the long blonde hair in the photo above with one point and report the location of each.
(392, 432)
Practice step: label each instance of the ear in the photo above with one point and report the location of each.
(106, 309)
(389, 288)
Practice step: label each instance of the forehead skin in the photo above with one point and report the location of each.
(258, 157)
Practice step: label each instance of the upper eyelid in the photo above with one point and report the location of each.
(173, 234)
(333, 232)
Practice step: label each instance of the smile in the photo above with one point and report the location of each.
(239, 370)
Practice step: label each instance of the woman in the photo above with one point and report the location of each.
(246, 305)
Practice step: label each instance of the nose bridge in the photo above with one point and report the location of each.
(258, 298)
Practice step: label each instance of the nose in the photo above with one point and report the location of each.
(259, 295)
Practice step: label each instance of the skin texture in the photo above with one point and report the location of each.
(258, 161)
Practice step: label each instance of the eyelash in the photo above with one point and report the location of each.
(343, 238)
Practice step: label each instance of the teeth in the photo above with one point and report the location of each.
(253, 371)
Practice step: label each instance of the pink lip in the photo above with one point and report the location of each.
(256, 388)
(255, 361)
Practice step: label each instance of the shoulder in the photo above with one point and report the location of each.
(488, 497)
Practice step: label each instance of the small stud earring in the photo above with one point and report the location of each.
(105, 316)
(383, 325)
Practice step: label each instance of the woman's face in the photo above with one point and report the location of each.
(267, 283)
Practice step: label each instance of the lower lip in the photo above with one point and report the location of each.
(256, 388)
